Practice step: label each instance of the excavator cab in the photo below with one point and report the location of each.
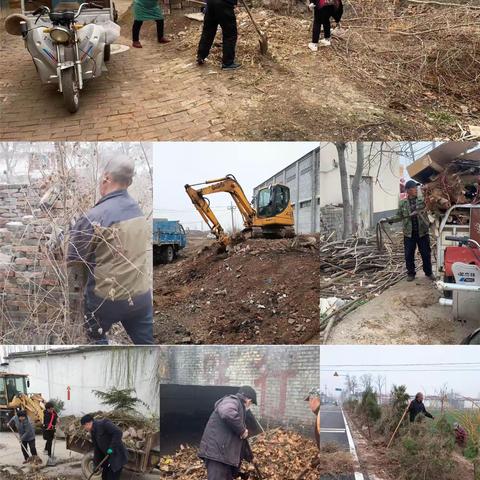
(272, 201)
(11, 386)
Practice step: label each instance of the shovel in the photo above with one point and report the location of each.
(52, 461)
(95, 470)
(263, 40)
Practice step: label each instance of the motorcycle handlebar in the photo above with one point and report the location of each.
(452, 238)
(87, 4)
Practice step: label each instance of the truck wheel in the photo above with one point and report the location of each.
(106, 52)
(87, 467)
(168, 254)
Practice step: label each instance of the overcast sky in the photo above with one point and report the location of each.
(464, 379)
(189, 162)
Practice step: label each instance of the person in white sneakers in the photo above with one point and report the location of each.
(323, 11)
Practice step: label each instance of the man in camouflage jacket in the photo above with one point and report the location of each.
(411, 212)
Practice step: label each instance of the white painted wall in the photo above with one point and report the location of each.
(385, 180)
(85, 371)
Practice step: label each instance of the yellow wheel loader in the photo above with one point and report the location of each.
(14, 397)
(272, 217)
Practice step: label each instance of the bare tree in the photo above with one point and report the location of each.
(10, 158)
(347, 206)
(366, 381)
(357, 178)
(380, 383)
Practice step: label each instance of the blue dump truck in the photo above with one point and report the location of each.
(168, 238)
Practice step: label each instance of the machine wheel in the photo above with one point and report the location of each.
(87, 467)
(106, 53)
(473, 339)
(448, 293)
(167, 254)
(71, 91)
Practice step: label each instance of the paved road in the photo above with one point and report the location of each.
(332, 426)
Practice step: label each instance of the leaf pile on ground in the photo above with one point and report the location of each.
(279, 455)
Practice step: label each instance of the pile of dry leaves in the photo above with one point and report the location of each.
(278, 455)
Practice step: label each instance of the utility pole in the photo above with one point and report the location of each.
(232, 207)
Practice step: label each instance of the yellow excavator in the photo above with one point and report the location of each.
(14, 397)
(272, 218)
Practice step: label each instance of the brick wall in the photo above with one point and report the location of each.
(281, 375)
(29, 290)
(331, 220)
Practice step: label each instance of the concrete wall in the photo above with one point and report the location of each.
(51, 373)
(303, 179)
(384, 171)
(281, 375)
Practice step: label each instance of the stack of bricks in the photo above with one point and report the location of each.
(29, 290)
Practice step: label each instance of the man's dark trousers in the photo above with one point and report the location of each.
(220, 471)
(219, 12)
(410, 245)
(107, 474)
(26, 446)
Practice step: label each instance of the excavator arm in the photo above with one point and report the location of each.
(229, 185)
(33, 405)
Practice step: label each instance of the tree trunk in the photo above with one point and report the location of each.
(356, 187)
(347, 206)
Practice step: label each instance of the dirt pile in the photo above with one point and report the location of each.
(261, 291)
(135, 427)
(278, 454)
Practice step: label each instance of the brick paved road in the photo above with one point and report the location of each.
(147, 94)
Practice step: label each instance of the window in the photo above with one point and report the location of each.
(305, 204)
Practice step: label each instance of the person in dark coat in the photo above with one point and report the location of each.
(50, 418)
(313, 399)
(224, 442)
(26, 433)
(416, 407)
(107, 440)
(219, 12)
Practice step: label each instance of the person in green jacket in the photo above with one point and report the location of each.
(411, 212)
(147, 10)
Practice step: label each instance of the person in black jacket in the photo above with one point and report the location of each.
(219, 12)
(50, 418)
(107, 440)
(417, 406)
(224, 441)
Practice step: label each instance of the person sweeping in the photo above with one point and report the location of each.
(144, 10)
(26, 435)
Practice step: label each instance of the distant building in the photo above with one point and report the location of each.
(72, 375)
(379, 186)
(303, 179)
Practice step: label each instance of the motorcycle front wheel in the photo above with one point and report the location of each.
(71, 91)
